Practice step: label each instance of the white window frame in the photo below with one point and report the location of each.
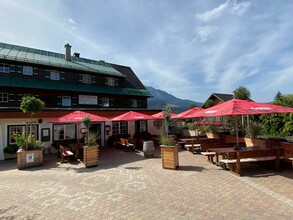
(63, 132)
(27, 70)
(4, 68)
(17, 129)
(4, 97)
(66, 100)
(105, 102)
(55, 75)
(111, 81)
(119, 127)
(86, 78)
(134, 103)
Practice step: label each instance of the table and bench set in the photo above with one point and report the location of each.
(234, 157)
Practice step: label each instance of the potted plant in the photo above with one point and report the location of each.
(30, 153)
(91, 149)
(10, 152)
(169, 150)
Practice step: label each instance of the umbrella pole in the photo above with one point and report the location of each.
(236, 129)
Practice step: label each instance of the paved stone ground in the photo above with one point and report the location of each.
(127, 186)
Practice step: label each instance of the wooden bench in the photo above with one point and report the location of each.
(127, 146)
(64, 153)
(210, 156)
(246, 156)
(191, 146)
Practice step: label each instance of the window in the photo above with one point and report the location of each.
(4, 68)
(111, 81)
(3, 97)
(27, 70)
(86, 78)
(17, 129)
(64, 132)
(134, 103)
(119, 127)
(141, 126)
(54, 75)
(105, 102)
(66, 101)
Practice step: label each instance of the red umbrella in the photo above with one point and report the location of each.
(77, 116)
(159, 115)
(240, 107)
(133, 116)
(236, 107)
(186, 114)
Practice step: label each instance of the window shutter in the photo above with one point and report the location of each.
(12, 68)
(11, 98)
(47, 74)
(100, 101)
(19, 69)
(139, 103)
(35, 71)
(116, 82)
(74, 101)
(19, 97)
(59, 100)
(111, 102)
(62, 75)
(80, 78)
(131, 102)
(106, 81)
(93, 79)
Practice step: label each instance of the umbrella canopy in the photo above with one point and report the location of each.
(236, 107)
(160, 115)
(77, 116)
(240, 107)
(186, 114)
(133, 116)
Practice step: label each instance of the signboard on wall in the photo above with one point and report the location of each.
(88, 100)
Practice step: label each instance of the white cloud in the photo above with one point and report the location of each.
(214, 13)
(241, 8)
(204, 32)
(71, 21)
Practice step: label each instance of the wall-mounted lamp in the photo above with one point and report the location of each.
(107, 129)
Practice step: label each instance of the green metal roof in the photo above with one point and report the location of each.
(9, 81)
(36, 56)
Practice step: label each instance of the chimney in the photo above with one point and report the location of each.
(76, 54)
(67, 52)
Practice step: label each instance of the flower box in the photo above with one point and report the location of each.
(169, 155)
(30, 158)
(90, 156)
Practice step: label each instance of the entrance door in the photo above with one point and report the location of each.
(98, 129)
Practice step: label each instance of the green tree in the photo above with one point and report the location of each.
(242, 93)
(279, 124)
(193, 105)
(31, 105)
(209, 103)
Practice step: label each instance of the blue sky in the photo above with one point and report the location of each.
(188, 48)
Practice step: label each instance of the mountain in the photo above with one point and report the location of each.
(161, 99)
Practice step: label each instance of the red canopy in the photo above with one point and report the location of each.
(186, 114)
(159, 115)
(240, 107)
(77, 116)
(133, 116)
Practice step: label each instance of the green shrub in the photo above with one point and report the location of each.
(10, 149)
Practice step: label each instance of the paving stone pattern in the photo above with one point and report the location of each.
(127, 186)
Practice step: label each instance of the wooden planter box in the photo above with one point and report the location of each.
(30, 158)
(10, 156)
(169, 155)
(90, 156)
